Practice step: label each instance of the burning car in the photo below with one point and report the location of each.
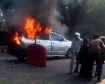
(32, 32)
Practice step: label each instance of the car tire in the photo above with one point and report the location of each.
(68, 53)
(20, 58)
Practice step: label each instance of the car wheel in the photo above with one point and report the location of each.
(68, 54)
(20, 58)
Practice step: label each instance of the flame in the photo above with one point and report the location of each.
(16, 38)
(48, 30)
(32, 28)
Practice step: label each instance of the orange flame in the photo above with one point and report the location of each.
(48, 30)
(32, 28)
(17, 38)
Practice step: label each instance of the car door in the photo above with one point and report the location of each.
(46, 42)
(59, 44)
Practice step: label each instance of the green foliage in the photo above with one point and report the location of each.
(86, 17)
(3, 27)
(91, 18)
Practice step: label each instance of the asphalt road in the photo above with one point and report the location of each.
(13, 71)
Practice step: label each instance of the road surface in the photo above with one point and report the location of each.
(13, 71)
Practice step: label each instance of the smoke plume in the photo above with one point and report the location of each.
(43, 11)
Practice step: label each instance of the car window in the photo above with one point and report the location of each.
(56, 37)
(44, 37)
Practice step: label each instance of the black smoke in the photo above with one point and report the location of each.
(43, 11)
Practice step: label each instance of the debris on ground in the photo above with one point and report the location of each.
(2, 64)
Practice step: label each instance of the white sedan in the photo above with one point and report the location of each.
(55, 44)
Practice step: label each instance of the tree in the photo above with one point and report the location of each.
(2, 21)
(85, 16)
(92, 20)
(71, 12)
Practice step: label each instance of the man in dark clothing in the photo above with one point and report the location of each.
(103, 50)
(95, 53)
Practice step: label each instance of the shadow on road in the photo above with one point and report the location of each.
(56, 58)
